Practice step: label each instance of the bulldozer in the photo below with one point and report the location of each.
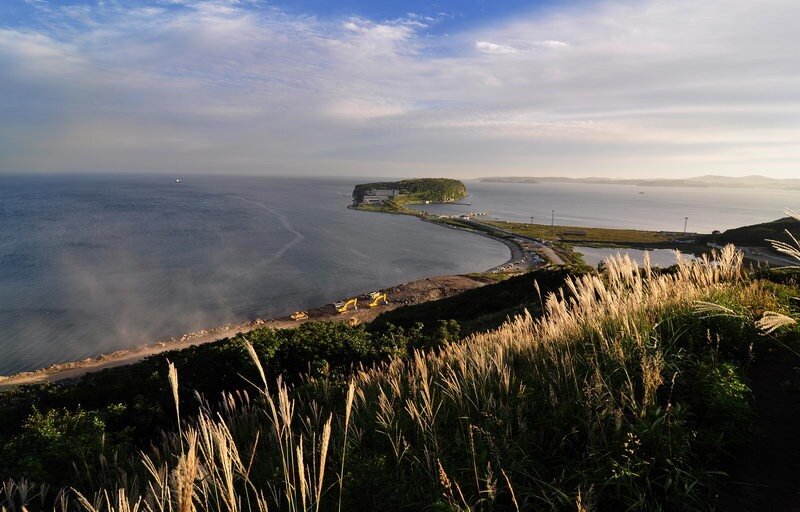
(377, 298)
(345, 305)
(299, 315)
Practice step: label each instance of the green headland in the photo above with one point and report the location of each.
(392, 196)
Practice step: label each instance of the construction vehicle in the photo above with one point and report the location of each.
(345, 305)
(377, 298)
(353, 321)
(299, 315)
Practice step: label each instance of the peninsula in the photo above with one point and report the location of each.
(392, 196)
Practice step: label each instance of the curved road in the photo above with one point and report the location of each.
(548, 252)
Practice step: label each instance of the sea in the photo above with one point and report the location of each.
(698, 209)
(90, 264)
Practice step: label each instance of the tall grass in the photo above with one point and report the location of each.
(772, 321)
(579, 409)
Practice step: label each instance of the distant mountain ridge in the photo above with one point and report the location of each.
(753, 181)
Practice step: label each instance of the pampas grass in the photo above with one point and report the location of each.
(570, 388)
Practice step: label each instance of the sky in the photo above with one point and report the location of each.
(462, 88)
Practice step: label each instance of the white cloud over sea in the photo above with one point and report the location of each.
(618, 88)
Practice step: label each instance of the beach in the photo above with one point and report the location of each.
(97, 264)
(414, 292)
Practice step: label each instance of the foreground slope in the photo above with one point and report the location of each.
(626, 394)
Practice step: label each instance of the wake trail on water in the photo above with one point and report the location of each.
(298, 236)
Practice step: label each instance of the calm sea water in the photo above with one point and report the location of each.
(89, 265)
(658, 208)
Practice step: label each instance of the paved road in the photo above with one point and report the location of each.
(761, 255)
(548, 252)
(551, 255)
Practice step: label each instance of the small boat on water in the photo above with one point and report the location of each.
(177, 180)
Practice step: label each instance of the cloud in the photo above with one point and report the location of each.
(551, 43)
(494, 48)
(614, 88)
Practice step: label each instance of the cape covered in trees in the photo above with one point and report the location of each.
(416, 190)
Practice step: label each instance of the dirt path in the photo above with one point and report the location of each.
(414, 292)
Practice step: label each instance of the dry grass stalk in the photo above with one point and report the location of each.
(172, 375)
(601, 322)
(772, 321)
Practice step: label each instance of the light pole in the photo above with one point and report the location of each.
(685, 224)
(552, 218)
(531, 219)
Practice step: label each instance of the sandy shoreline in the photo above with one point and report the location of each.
(413, 292)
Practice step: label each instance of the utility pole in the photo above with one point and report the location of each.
(552, 218)
(685, 224)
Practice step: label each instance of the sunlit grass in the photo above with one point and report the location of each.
(584, 407)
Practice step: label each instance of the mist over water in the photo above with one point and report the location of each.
(92, 264)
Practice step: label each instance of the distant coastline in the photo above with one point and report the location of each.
(697, 182)
(130, 355)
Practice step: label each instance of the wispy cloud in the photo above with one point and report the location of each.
(496, 48)
(615, 88)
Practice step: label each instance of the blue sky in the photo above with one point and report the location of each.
(624, 88)
(441, 16)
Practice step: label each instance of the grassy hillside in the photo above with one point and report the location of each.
(585, 234)
(757, 234)
(629, 393)
(483, 308)
(128, 405)
(416, 190)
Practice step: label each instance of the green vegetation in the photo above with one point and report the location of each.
(129, 405)
(483, 308)
(412, 191)
(586, 235)
(756, 235)
(628, 390)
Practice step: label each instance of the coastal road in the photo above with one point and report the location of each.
(521, 259)
(551, 255)
(548, 252)
(760, 254)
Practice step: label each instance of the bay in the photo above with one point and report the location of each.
(623, 206)
(94, 263)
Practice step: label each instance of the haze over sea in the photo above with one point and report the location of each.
(91, 264)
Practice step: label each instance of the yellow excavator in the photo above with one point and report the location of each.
(299, 315)
(377, 298)
(345, 305)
